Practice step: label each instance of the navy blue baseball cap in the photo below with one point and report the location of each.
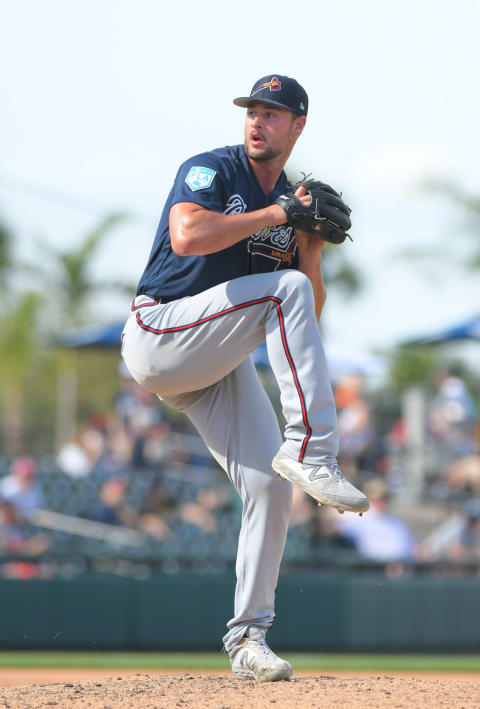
(279, 91)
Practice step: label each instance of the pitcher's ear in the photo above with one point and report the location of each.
(299, 124)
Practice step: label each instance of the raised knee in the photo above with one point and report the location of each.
(297, 283)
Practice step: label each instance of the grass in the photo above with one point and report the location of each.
(214, 661)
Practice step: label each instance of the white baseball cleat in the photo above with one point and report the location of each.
(255, 660)
(325, 483)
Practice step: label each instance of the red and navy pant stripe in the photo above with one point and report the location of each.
(234, 308)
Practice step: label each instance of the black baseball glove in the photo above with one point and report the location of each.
(327, 217)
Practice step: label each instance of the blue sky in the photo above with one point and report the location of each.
(103, 100)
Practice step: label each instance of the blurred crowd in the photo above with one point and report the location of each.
(138, 483)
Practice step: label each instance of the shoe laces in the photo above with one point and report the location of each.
(337, 473)
(265, 650)
(264, 646)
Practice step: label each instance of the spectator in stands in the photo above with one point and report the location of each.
(156, 448)
(112, 508)
(458, 538)
(451, 416)
(202, 512)
(78, 457)
(313, 528)
(15, 537)
(378, 535)
(21, 488)
(355, 425)
(463, 475)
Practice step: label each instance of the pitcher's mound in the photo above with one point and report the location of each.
(196, 691)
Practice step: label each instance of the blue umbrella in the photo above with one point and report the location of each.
(94, 336)
(465, 330)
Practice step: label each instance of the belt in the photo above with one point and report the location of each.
(144, 300)
(169, 298)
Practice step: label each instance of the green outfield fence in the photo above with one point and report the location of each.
(188, 611)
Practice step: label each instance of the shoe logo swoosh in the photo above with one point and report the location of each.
(316, 475)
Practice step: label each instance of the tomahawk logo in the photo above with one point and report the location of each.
(235, 205)
(274, 85)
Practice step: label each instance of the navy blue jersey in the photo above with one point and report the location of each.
(223, 181)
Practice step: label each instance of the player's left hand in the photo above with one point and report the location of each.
(322, 212)
(307, 243)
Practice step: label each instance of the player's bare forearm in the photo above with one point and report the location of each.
(195, 231)
(310, 263)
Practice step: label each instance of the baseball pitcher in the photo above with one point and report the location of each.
(236, 261)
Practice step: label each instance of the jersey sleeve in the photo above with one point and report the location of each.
(201, 180)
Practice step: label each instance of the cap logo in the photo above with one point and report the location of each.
(274, 85)
(302, 106)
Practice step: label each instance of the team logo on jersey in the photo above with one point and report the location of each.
(274, 85)
(277, 243)
(278, 236)
(235, 205)
(199, 178)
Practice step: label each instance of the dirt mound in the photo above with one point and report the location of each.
(188, 690)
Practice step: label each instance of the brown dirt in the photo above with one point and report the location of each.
(107, 689)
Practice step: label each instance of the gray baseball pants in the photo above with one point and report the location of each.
(194, 354)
